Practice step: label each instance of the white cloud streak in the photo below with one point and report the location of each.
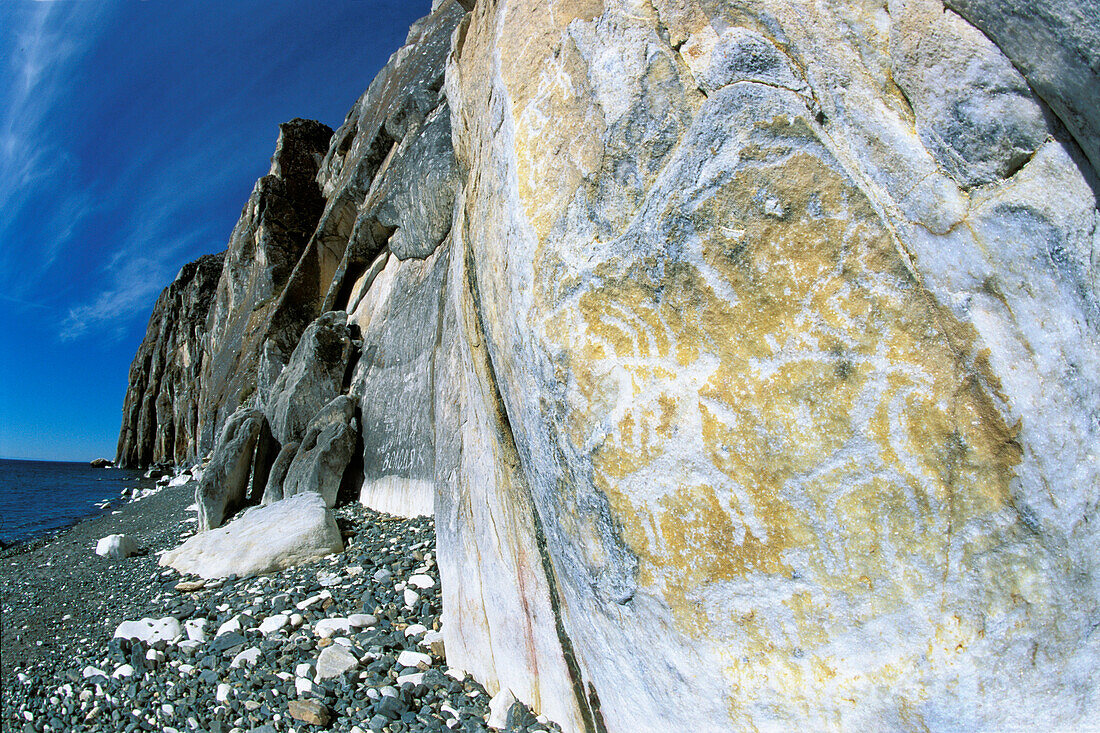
(45, 41)
(38, 174)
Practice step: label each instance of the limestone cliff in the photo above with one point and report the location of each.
(747, 354)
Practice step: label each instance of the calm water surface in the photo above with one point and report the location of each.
(39, 497)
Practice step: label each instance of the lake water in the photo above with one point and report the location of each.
(39, 497)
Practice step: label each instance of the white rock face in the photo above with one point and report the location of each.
(150, 630)
(91, 671)
(770, 368)
(409, 658)
(422, 581)
(361, 620)
(115, 546)
(271, 624)
(261, 540)
(228, 627)
(326, 627)
(196, 629)
(245, 657)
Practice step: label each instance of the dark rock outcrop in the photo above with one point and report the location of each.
(267, 241)
(324, 453)
(242, 459)
(160, 417)
(312, 377)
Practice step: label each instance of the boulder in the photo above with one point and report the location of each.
(273, 492)
(115, 546)
(226, 479)
(313, 377)
(262, 540)
(325, 451)
(102, 463)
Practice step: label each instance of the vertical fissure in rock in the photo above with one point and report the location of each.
(590, 714)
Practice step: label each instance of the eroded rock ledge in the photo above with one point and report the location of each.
(746, 355)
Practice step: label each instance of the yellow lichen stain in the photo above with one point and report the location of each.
(848, 422)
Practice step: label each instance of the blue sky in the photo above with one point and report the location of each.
(131, 134)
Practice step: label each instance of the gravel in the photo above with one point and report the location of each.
(377, 664)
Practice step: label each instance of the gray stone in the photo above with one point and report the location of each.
(312, 377)
(975, 112)
(274, 490)
(416, 194)
(325, 451)
(1055, 44)
(225, 481)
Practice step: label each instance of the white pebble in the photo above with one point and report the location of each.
(271, 624)
(409, 658)
(422, 581)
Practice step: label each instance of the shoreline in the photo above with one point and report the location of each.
(261, 660)
(64, 557)
(115, 501)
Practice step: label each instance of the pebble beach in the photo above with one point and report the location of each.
(347, 643)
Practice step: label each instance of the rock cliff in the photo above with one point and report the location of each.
(746, 353)
(160, 417)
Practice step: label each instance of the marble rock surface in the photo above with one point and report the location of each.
(790, 393)
(746, 353)
(261, 540)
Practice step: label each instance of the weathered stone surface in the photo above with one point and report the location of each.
(974, 112)
(225, 481)
(787, 424)
(312, 377)
(273, 492)
(325, 451)
(160, 414)
(398, 318)
(1056, 45)
(747, 354)
(262, 540)
(263, 250)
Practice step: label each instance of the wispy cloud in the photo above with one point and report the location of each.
(158, 235)
(49, 214)
(41, 43)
